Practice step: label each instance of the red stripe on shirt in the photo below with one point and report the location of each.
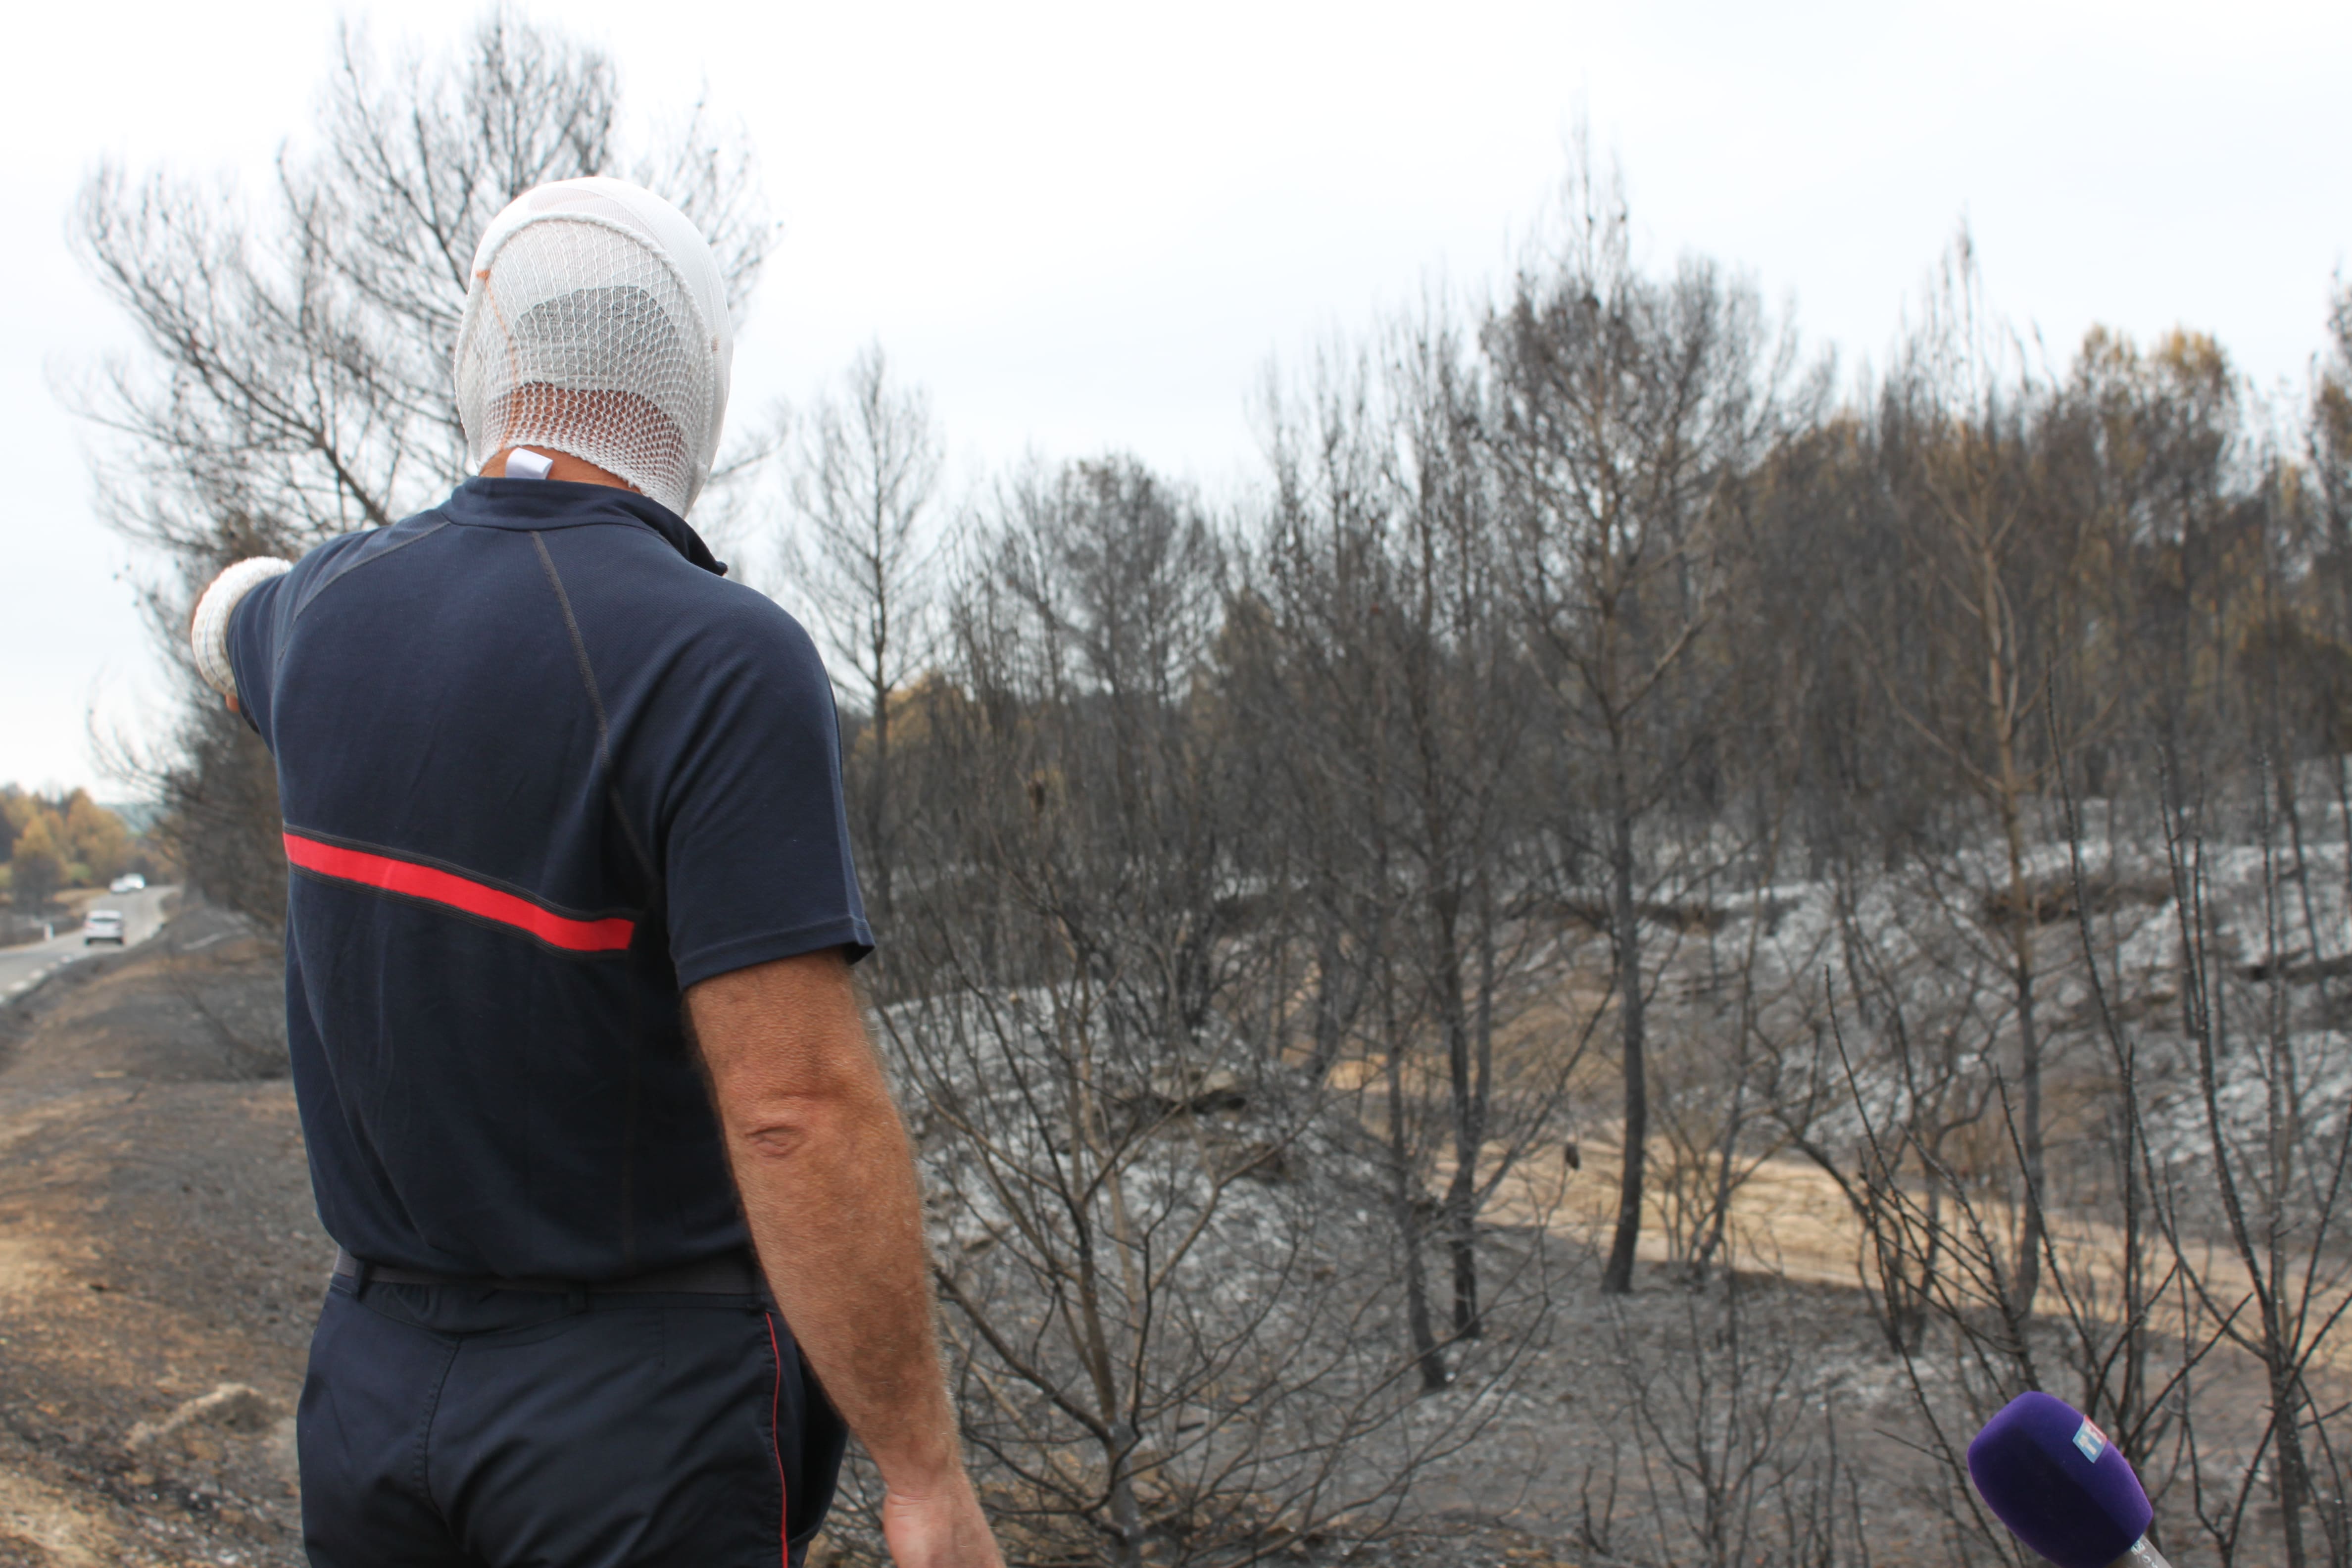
(447, 888)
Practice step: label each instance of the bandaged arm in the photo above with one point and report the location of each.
(208, 632)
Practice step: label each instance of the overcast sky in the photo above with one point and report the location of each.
(1090, 227)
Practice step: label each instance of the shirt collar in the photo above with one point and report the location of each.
(531, 504)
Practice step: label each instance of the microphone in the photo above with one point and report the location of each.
(2051, 1476)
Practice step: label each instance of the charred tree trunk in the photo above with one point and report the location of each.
(1625, 928)
(2006, 702)
(1461, 1207)
(877, 794)
(1410, 1204)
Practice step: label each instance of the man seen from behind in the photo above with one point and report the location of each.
(628, 1226)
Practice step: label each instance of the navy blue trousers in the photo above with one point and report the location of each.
(455, 1427)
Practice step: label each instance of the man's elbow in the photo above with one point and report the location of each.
(782, 1130)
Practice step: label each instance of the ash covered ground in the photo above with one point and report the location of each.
(161, 1266)
(160, 1260)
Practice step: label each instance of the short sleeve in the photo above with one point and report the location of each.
(755, 854)
(254, 628)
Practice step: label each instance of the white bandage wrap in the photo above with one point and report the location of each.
(208, 634)
(595, 324)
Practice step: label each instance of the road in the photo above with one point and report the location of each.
(142, 914)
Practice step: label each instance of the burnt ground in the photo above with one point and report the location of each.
(160, 1261)
(161, 1266)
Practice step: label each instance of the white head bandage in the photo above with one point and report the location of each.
(596, 324)
(208, 633)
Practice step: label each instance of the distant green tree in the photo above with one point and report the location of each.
(96, 843)
(38, 868)
(14, 812)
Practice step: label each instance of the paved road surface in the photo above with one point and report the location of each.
(142, 913)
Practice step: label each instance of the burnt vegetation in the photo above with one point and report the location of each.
(1628, 914)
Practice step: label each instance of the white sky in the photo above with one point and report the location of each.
(1091, 227)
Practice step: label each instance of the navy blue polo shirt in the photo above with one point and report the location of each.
(542, 767)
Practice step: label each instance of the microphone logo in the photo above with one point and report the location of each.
(2091, 1440)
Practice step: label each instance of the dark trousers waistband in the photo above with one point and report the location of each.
(730, 1274)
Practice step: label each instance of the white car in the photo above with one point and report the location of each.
(102, 925)
(128, 882)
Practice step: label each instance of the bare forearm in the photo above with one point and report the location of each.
(830, 1192)
(828, 1185)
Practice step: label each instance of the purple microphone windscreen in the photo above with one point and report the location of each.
(2055, 1480)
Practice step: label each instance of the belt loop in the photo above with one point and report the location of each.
(576, 1299)
(361, 1272)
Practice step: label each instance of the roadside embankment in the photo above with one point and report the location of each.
(159, 1259)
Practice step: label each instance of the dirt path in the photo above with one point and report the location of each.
(1790, 1220)
(159, 1261)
